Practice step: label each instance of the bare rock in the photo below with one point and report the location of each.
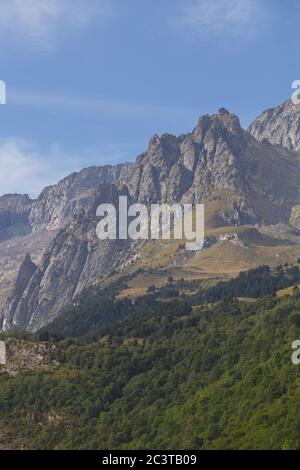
(279, 125)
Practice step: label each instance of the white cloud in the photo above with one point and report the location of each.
(41, 20)
(222, 18)
(23, 169)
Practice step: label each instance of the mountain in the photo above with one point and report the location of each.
(279, 125)
(74, 260)
(57, 204)
(217, 157)
(27, 226)
(250, 188)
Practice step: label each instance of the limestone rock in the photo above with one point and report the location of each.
(279, 125)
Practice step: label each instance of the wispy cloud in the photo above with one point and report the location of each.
(89, 106)
(24, 169)
(40, 21)
(221, 18)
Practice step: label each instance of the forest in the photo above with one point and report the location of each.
(164, 375)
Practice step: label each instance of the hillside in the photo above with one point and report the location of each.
(165, 377)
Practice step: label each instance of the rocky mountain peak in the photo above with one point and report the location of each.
(220, 125)
(223, 112)
(217, 158)
(279, 125)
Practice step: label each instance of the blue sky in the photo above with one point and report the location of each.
(90, 81)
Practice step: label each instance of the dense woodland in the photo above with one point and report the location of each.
(253, 283)
(96, 311)
(165, 374)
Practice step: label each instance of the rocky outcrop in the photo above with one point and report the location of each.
(57, 204)
(20, 215)
(191, 166)
(218, 157)
(28, 226)
(14, 215)
(26, 272)
(295, 216)
(279, 125)
(23, 356)
(75, 259)
(12, 253)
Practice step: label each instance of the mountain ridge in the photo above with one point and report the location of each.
(218, 160)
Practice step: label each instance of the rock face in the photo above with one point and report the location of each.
(19, 215)
(75, 259)
(217, 159)
(23, 356)
(57, 204)
(280, 125)
(28, 226)
(2, 353)
(295, 216)
(14, 215)
(26, 272)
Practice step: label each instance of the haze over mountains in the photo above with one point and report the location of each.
(248, 180)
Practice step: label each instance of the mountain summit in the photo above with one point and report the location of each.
(241, 176)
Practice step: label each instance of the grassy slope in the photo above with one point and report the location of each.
(222, 260)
